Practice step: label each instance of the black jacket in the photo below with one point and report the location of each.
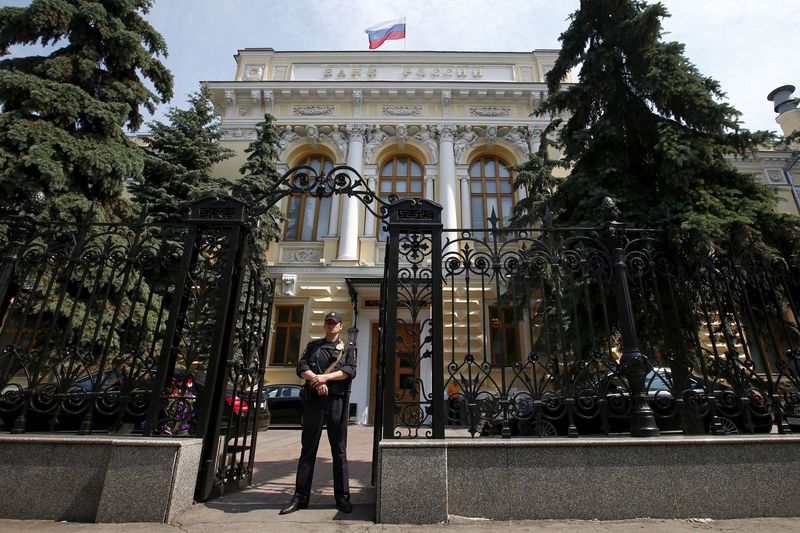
(318, 356)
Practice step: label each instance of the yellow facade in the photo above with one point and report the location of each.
(433, 115)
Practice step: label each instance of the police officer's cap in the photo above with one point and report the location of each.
(334, 317)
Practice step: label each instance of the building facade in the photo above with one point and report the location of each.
(446, 126)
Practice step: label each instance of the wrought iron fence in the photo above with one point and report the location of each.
(568, 331)
(84, 308)
(139, 328)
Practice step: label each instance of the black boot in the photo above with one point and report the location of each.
(344, 505)
(294, 505)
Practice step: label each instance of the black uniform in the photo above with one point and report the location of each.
(332, 409)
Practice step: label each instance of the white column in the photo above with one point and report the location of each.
(466, 208)
(447, 176)
(333, 228)
(348, 242)
(429, 187)
(369, 220)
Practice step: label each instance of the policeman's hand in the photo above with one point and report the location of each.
(318, 380)
(322, 390)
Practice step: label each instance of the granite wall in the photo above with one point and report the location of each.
(97, 478)
(425, 481)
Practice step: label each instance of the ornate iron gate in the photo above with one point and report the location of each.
(210, 376)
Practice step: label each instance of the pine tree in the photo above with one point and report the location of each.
(535, 177)
(61, 128)
(646, 128)
(179, 157)
(260, 176)
(81, 296)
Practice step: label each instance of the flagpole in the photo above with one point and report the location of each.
(406, 21)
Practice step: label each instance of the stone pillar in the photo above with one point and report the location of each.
(369, 219)
(535, 140)
(429, 187)
(466, 208)
(447, 176)
(348, 242)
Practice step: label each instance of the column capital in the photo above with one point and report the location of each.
(447, 132)
(355, 132)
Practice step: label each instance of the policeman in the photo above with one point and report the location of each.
(328, 366)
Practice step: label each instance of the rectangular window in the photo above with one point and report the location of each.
(288, 327)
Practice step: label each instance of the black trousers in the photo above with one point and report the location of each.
(333, 411)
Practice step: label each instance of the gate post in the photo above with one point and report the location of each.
(206, 301)
(411, 216)
(633, 361)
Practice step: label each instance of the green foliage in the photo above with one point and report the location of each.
(260, 176)
(535, 176)
(646, 128)
(179, 157)
(61, 128)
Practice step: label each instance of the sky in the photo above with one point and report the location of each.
(749, 46)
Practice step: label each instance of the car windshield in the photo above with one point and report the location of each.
(656, 382)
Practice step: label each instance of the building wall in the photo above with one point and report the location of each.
(444, 110)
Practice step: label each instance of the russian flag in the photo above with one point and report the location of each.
(386, 31)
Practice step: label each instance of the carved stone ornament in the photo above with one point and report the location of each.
(238, 134)
(775, 175)
(289, 284)
(356, 132)
(357, 99)
(446, 97)
(313, 110)
(402, 135)
(253, 72)
(489, 111)
(402, 110)
(244, 110)
(302, 255)
(491, 135)
(446, 132)
(268, 99)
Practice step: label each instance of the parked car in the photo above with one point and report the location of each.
(238, 407)
(552, 419)
(285, 403)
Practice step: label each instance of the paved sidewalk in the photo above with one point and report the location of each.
(256, 508)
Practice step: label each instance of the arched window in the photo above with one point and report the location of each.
(491, 188)
(308, 217)
(400, 175)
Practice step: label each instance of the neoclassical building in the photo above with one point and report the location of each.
(446, 126)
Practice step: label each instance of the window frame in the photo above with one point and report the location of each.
(409, 178)
(498, 195)
(308, 160)
(288, 326)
